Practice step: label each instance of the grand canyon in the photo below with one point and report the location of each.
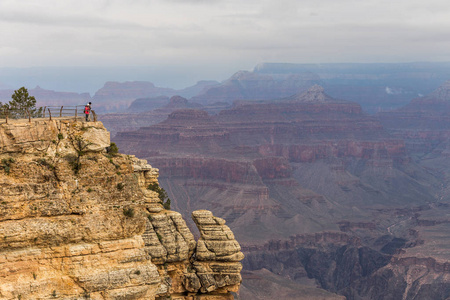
(334, 178)
(326, 200)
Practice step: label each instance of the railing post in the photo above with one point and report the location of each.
(60, 111)
(43, 115)
(95, 115)
(29, 115)
(76, 112)
(6, 114)
(50, 114)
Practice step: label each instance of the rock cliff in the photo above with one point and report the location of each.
(78, 222)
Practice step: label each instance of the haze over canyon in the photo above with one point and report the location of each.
(333, 177)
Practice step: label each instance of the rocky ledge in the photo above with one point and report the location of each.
(79, 221)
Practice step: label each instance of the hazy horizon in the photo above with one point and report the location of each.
(175, 43)
(91, 79)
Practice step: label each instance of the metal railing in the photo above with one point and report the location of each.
(48, 112)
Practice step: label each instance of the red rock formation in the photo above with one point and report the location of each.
(293, 242)
(424, 123)
(288, 175)
(343, 148)
(273, 146)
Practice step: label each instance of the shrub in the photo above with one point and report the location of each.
(74, 162)
(60, 136)
(44, 162)
(6, 164)
(128, 212)
(166, 204)
(120, 186)
(112, 149)
(162, 194)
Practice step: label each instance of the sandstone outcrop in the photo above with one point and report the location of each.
(218, 254)
(79, 222)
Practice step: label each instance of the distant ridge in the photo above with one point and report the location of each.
(316, 93)
(442, 93)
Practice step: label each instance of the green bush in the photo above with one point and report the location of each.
(166, 204)
(162, 194)
(112, 149)
(6, 164)
(128, 212)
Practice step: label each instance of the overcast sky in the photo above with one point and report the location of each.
(221, 36)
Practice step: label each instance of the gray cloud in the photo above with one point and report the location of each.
(221, 33)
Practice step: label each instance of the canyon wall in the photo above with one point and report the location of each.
(324, 198)
(78, 221)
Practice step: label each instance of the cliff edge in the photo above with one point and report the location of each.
(78, 221)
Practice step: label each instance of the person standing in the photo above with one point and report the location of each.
(87, 111)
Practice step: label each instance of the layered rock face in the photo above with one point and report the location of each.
(424, 123)
(256, 142)
(319, 191)
(78, 222)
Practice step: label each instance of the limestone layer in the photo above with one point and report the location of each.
(78, 222)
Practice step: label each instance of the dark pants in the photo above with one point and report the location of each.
(87, 117)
